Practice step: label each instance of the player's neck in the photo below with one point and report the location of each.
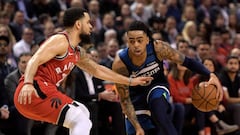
(138, 60)
(73, 37)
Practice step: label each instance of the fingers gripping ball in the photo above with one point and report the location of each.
(204, 97)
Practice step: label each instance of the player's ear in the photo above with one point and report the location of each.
(147, 39)
(78, 24)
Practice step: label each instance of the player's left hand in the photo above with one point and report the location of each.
(140, 81)
(215, 81)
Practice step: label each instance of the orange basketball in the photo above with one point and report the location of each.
(204, 97)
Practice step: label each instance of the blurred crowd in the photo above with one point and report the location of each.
(206, 30)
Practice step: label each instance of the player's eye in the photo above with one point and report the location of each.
(140, 40)
(132, 41)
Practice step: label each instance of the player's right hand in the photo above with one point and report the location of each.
(26, 94)
(139, 131)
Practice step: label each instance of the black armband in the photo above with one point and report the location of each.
(196, 66)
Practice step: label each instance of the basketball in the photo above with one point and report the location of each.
(204, 97)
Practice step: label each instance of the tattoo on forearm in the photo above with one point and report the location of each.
(165, 51)
(125, 100)
(126, 104)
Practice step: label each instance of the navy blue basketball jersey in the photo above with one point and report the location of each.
(151, 67)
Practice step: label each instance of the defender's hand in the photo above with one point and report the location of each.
(140, 81)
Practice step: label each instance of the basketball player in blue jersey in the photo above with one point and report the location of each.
(147, 106)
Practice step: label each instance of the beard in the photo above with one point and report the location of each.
(85, 39)
(232, 70)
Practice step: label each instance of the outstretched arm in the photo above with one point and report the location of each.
(104, 73)
(165, 51)
(125, 101)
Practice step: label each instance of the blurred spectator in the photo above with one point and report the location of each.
(135, 2)
(9, 7)
(102, 51)
(5, 18)
(125, 11)
(41, 6)
(217, 50)
(126, 22)
(56, 6)
(140, 13)
(171, 29)
(204, 30)
(22, 125)
(189, 31)
(27, 8)
(189, 14)
(24, 45)
(93, 8)
(77, 3)
(157, 24)
(203, 12)
(38, 26)
(236, 41)
(174, 10)
(197, 39)
(107, 6)
(18, 24)
(5, 69)
(235, 52)
(226, 39)
(234, 25)
(6, 31)
(48, 29)
(203, 51)
(59, 21)
(230, 79)
(181, 86)
(101, 102)
(156, 35)
(162, 10)
(112, 48)
(220, 7)
(107, 23)
(152, 8)
(218, 23)
(110, 34)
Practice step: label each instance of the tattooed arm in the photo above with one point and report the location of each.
(165, 51)
(125, 101)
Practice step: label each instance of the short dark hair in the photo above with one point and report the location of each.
(138, 25)
(203, 42)
(71, 15)
(231, 57)
(182, 41)
(23, 54)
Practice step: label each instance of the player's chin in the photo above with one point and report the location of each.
(137, 53)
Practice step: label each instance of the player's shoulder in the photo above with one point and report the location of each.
(58, 37)
(118, 63)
